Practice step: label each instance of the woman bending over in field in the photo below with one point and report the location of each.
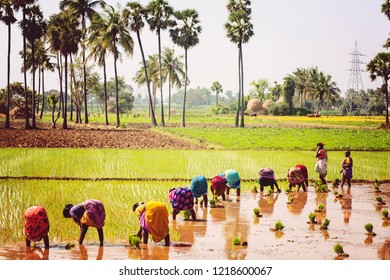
(267, 178)
(89, 213)
(153, 220)
(36, 225)
(181, 199)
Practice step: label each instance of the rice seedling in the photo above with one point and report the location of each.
(279, 226)
(290, 200)
(380, 200)
(212, 202)
(325, 224)
(385, 214)
(320, 207)
(134, 241)
(339, 250)
(256, 211)
(236, 241)
(69, 245)
(369, 228)
(312, 218)
(336, 183)
(187, 215)
(322, 188)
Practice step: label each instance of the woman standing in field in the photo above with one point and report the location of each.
(321, 166)
(347, 169)
(153, 220)
(36, 225)
(181, 199)
(89, 213)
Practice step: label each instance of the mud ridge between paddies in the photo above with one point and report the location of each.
(55, 178)
(91, 137)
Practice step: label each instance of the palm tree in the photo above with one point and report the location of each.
(301, 77)
(99, 52)
(217, 88)
(173, 70)
(386, 11)
(134, 14)
(239, 30)
(23, 4)
(186, 35)
(321, 86)
(33, 28)
(64, 35)
(379, 66)
(159, 18)
(84, 9)
(7, 16)
(115, 35)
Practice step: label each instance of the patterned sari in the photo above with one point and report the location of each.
(37, 223)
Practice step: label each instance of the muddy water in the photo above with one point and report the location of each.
(211, 237)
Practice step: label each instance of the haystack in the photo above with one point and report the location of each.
(255, 106)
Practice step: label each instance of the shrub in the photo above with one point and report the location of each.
(220, 110)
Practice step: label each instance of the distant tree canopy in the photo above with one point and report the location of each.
(195, 97)
(17, 96)
(125, 94)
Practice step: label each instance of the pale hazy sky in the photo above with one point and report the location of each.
(288, 34)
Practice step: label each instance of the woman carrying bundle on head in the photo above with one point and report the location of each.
(90, 213)
(153, 220)
(181, 199)
(36, 226)
(267, 178)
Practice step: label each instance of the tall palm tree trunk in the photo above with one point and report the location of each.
(169, 97)
(151, 110)
(60, 77)
(39, 86)
(183, 117)
(116, 93)
(242, 124)
(7, 118)
(65, 105)
(43, 93)
(239, 91)
(161, 81)
(386, 91)
(34, 125)
(26, 114)
(105, 91)
(86, 121)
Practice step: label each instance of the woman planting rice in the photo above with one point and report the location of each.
(36, 225)
(181, 199)
(198, 188)
(233, 180)
(298, 176)
(218, 186)
(267, 178)
(153, 220)
(321, 166)
(89, 213)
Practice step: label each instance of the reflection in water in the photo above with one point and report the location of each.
(346, 204)
(384, 251)
(153, 252)
(299, 202)
(84, 253)
(234, 227)
(267, 203)
(35, 253)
